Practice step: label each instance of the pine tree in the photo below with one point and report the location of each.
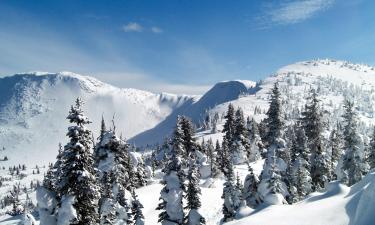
(231, 195)
(240, 147)
(211, 154)
(141, 176)
(354, 163)
(313, 126)
(271, 176)
(256, 145)
(229, 126)
(250, 190)
(336, 149)
(302, 178)
(172, 193)
(274, 183)
(78, 175)
(220, 157)
(137, 214)
(274, 119)
(192, 195)
(371, 151)
(188, 136)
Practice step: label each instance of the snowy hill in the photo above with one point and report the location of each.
(35, 102)
(33, 108)
(221, 93)
(334, 81)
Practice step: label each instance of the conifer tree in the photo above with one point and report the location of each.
(211, 154)
(77, 178)
(274, 119)
(371, 150)
(231, 195)
(240, 147)
(229, 126)
(354, 163)
(250, 190)
(188, 136)
(172, 193)
(137, 214)
(192, 195)
(313, 126)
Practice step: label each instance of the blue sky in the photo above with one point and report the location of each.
(181, 46)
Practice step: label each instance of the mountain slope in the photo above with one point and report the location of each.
(221, 93)
(33, 108)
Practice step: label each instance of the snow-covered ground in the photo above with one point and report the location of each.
(338, 205)
(33, 108)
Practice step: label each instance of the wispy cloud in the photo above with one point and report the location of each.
(292, 11)
(156, 30)
(132, 27)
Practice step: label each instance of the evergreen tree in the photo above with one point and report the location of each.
(240, 147)
(336, 149)
(137, 214)
(231, 195)
(192, 195)
(78, 175)
(141, 176)
(274, 166)
(211, 154)
(354, 163)
(313, 126)
(371, 151)
(172, 193)
(250, 190)
(302, 178)
(256, 145)
(188, 136)
(274, 119)
(229, 126)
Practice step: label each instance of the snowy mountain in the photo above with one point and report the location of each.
(33, 108)
(333, 80)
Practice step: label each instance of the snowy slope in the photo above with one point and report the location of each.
(221, 93)
(339, 205)
(33, 108)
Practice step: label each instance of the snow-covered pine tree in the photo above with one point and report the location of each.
(178, 140)
(371, 151)
(313, 126)
(219, 156)
(274, 166)
(274, 119)
(250, 190)
(275, 184)
(192, 196)
(302, 177)
(188, 136)
(231, 195)
(354, 163)
(137, 214)
(336, 146)
(77, 183)
(240, 147)
(212, 160)
(229, 126)
(172, 193)
(256, 145)
(141, 177)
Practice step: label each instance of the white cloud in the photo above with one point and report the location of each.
(293, 11)
(156, 30)
(132, 27)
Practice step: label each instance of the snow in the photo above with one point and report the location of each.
(33, 108)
